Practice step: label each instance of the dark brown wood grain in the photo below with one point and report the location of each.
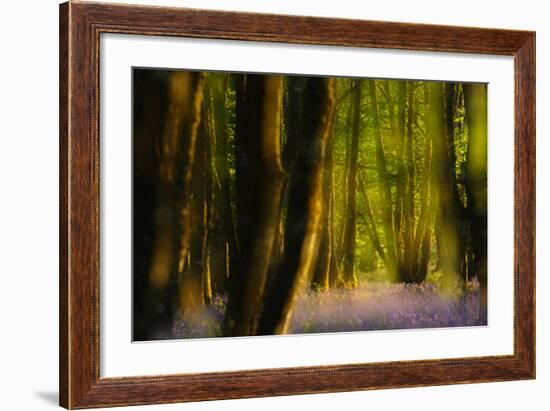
(80, 27)
(63, 205)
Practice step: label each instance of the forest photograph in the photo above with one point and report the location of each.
(268, 204)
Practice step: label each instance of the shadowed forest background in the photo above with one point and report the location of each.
(277, 204)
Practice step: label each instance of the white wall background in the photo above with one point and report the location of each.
(29, 192)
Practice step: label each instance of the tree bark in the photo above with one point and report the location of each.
(227, 243)
(397, 127)
(462, 224)
(448, 219)
(383, 184)
(348, 247)
(194, 271)
(176, 159)
(369, 221)
(345, 175)
(304, 209)
(422, 236)
(321, 278)
(259, 179)
(411, 254)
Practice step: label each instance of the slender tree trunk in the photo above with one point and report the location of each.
(259, 184)
(176, 160)
(369, 221)
(227, 244)
(348, 269)
(345, 175)
(463, 230)
(185, 159)
(397, 127)
(384, 184)
(304, 208)
(334, 268)
(321, 277)
(410, 218)
(192, 277)
(320, 281)
(423, 234)
(208, 189)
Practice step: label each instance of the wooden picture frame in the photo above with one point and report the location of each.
(80, 27)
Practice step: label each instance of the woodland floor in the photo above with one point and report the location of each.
(371, 306)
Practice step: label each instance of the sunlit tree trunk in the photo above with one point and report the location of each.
(293, 116)
(340, 254)
(304, 209)
(176, 160)
(192, 278)
(216, 244)
(320, 279)
(259, 183)
(334, 268)
(208, 189)
(326, 261)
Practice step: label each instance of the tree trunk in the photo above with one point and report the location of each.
(259, 178)
(410, 255)
(397, 127)
(293, 118)
(326, 261)
(340, 254)
(348, 247)
(383, 185)
(226, 244)
(369, 222)
(423, 233)
(208, 190)
(475, 99)
(462, 226)
(334, 268)
(304, 208)
(191, 281)
(449, 257)
(176, 160)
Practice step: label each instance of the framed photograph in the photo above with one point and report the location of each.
(259, 205)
